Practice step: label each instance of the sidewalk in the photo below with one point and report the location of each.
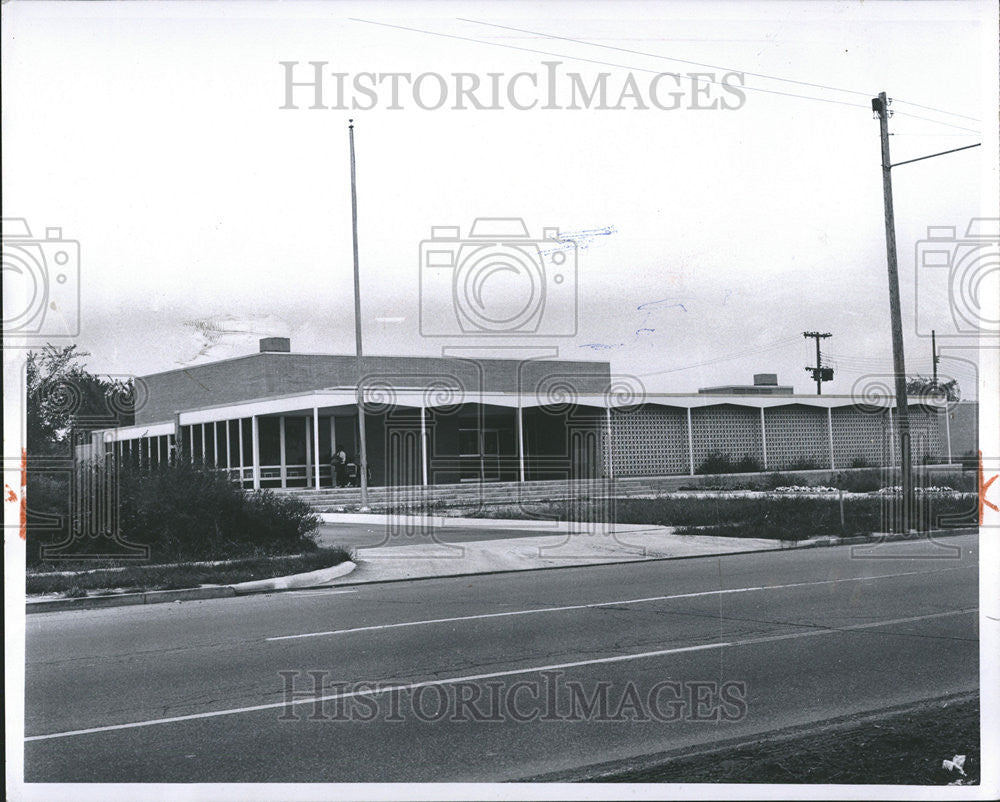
(557, 545)
(560, 546)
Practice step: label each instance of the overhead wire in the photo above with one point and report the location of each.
(786, 341)
(742, 72)
(602, 63)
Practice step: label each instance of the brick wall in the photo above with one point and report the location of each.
(274, 374)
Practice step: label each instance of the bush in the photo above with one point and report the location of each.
(776, 479)
(188, 512)
(722, 463)
(47, 519)
(864, 481)
(787, 518)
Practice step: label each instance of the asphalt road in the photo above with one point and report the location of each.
(665, 655)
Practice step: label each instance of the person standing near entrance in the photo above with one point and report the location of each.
(340, 466)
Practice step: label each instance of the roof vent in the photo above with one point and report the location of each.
(280, 345)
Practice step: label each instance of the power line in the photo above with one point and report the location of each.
(726, 358)
(646, 70)
(717, 67)
(666, 58)
(936, 122)
(604, 63)
(939, 111)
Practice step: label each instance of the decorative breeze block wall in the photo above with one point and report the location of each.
(648, 441)
(728, 430)
(796, 434)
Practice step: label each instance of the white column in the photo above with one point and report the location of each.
(829, 429)
(242, 456)
(281, 448)
(203, 444)
(690, 443)
(149, 451)
(520, 442)
(947, 429)
(423, 443)
(159, 458)
(308, 435)
(215, 443)
(315, 442)
(611, 453)
(255, 436)
(229, 449)
(763, 436)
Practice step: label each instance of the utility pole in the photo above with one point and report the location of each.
(820, 374)
(880, 105)
(363, 467)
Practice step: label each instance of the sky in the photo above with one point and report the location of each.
(699, 235)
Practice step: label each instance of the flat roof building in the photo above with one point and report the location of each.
(275, 419)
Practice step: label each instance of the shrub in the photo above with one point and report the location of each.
(47, 519)
(776, 479)
(721, 463)
(787, 518)
(189, 512)
(715, 463)
(748, 464)
(863, 481)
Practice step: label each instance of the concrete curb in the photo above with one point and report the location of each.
(791, 546)
(880, 537)
(302, 580)
(127, 599)
(311, 579)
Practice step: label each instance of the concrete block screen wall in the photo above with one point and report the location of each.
(654, 440)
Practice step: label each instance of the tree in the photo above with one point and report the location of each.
(922, 386)
(62, 398)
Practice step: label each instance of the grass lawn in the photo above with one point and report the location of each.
(903, 748)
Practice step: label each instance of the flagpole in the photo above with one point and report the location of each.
(363, 467)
